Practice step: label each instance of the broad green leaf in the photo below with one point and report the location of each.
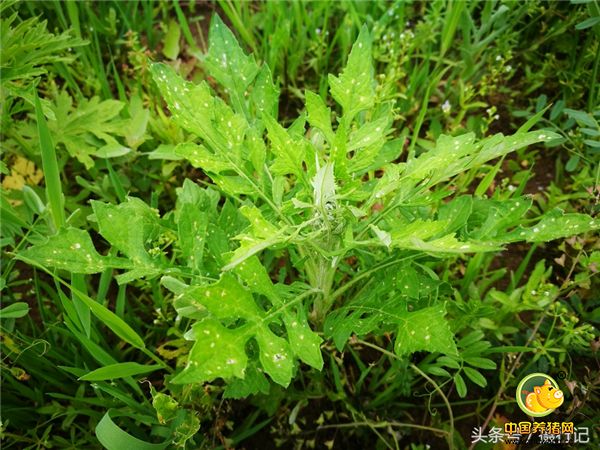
(192, 218)
(253, 383)
(491, 218)
(382, 306)
(366, 143)
(369, 134)
(195, 109)
(289, 152)
(554, 225)
(130, 227)
(319, 115)
(202, 158)
(119, 370)
(354, 89)
(71, 249)
(261, 234)
(449, 244)
(14, 311)
(265, 95)
(219, 351)
(425, 330)
(305, 344)
(456, 213)
(255, 276)
(403, 233)
(227, 62)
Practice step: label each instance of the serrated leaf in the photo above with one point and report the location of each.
(195, 109)
(354, 89)
(90, 129)
(265, 95)
(227, 62)
(289, 153)
(219, 351)
(192, 217)
(71, 249)
(202, 158)
(319, 115)
(369, 134)
(253, 383)
(554, 225)
(425, 330)
(449, 244)
(216, 353)
(305, 344)
(130, 227)
(456, 212)
(262, 234)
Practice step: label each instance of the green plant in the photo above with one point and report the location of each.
(360, 233)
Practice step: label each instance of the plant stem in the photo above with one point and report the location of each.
(450, 434)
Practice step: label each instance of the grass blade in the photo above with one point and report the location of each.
(119, 370)
(50, 167)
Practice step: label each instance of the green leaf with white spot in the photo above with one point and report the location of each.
(217, 352)
(72, 250)
(227, 63)
(553, 225)
(319, 115)
(354, 89)
(289, 152)
(265, 95)
(220, 351)
(425, 330)
(134, 229)
(260, 235)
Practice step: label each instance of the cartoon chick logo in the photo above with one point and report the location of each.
(538, 395)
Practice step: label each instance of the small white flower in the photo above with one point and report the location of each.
(446, 107)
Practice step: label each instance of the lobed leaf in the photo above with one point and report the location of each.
(354, 89)
(425, 330)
